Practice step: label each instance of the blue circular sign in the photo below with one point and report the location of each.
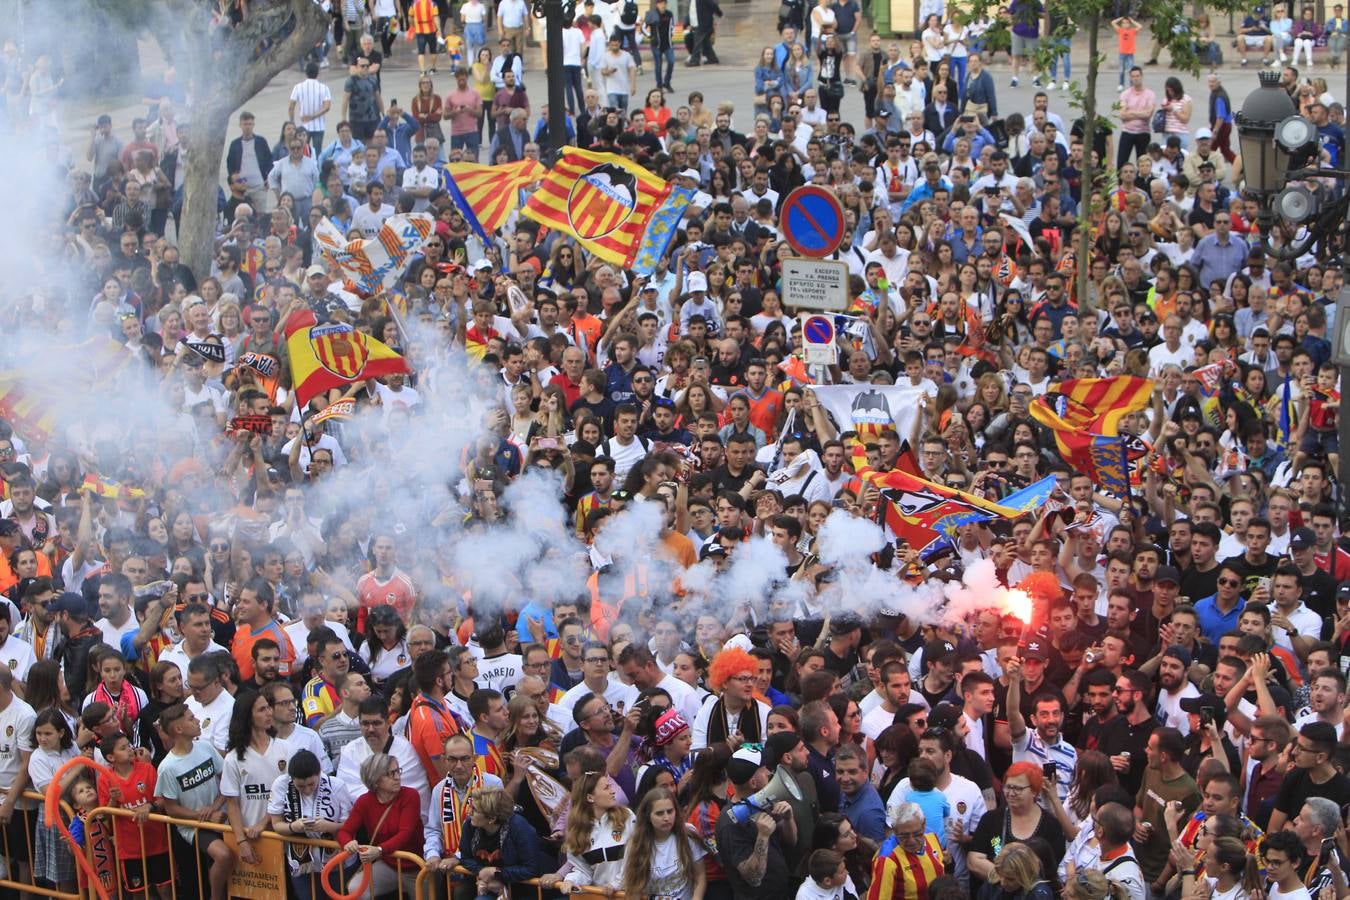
(818, 330)
(812, 221)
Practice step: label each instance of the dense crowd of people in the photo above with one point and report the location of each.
(565, 603)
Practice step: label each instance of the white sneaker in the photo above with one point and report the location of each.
(1065, 86)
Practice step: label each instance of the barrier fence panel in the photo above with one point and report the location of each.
(264, 880)
(22, 831)
(583, 892)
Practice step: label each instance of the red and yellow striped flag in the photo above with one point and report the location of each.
(493, 192)
(1098, 404)
(333, 355)
(601, 199)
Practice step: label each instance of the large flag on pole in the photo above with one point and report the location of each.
(602, 199)
(920, 511)
(487, 195)
(1103, 458)
(375, 265)
(333, 355)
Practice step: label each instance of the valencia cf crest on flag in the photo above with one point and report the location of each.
(601, 201)
(340, 349)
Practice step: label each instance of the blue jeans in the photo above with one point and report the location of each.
(475, 36)
(574, 89)
(1063, 54)
(617, 101)
(1126, 63)
(668, 57)
(470, 142)
(959, 73)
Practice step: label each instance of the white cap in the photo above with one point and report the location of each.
(480, 264)
(1203, 134)
(696, 281)
(691, 173)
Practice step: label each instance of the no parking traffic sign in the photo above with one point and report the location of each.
(812, 221)
(818, 340)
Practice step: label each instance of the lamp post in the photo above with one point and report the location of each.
(555, 13)
(1279, 146)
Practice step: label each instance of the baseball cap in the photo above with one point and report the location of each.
(743, 765)
(944, 715)
(480, 264)
(1179, 653)
(68, 602)
(696, 281)
(1206, 701)
(1168, 574)
(1203, 133)
(712, 551)
(1302, 539)
(691, 173)
(1034, 649)
(777, 746)
(315, 269)
(938, 651)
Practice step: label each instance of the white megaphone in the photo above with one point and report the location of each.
(782, 786)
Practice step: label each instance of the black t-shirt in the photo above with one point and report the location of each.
(1298, 787)
(1119, 736)
(735, 843)
(995, 832)
(1198, 585)
(934, 698)
(724, 480)
(1319, 593)
(1251, 572)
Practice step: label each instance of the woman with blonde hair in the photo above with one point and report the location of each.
(598, 829)
(663, 859)
(1017, 876)
(1090, 884)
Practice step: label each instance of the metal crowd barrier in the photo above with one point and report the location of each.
(203, 882)
(425, 885)
(15, 856)
(584, 892)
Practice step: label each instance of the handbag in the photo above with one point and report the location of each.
(1158, 123)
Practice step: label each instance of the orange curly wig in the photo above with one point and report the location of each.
(1042, 587)
(729, 663)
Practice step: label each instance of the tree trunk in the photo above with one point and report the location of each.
(201, 180)
(224, 68)
(1089, 175)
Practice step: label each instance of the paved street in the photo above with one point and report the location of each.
(749, 28)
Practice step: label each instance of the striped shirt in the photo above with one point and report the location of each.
(309, 96)
(906, 876)
(422, 17)
(1032, 748)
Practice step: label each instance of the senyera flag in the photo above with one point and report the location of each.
(334, 355)
(1098, 404)
(1105, 458)
(602, 199)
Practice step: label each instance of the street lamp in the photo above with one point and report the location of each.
(1279, 146)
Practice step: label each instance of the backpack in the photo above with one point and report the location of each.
(629, 16)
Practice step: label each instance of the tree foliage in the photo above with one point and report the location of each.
(1170, 29)
(223, 65)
